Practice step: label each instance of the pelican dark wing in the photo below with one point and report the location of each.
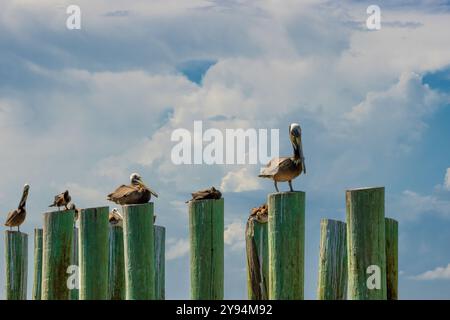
(133, 194)
(61, 199)
(211, 193)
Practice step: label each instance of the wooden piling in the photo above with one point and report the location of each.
(391, 258)
(332, 282)
(56, 254)
(206, 229)
(93, 253)
(257, 245)
(37, 283)
(286, 245)
(160, 260)
(75, 292)
(16, 244)
(366, 244)
(139, 251)
(116, 270)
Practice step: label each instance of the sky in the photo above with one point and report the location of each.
(82, 109)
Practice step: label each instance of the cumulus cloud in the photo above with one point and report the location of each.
(177, 248)
(240, 180)
(440, 273)
(234, 235)
(412, 205)
(447, 180)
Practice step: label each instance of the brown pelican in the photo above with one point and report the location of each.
(135, 193)
(211, 193)
(260, 214)
(16, 217)
(287, 168)
(115, 218)
(61, 199)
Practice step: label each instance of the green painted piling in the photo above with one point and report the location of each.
(93, 253)
(366, 244)
(139, 251)
(16, 244)
(56, 254)
(391, 258)
(116, 270)
(160, 260)
(206, 229)
(74, 291)
(286, 245)
(37, 283)
(257, 245)
(332, 282)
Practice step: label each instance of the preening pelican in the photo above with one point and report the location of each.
(16, 217)
(211, 193)
(260, 214)
(135, 193)
(115, 218)
(287, 168)
(61, 199)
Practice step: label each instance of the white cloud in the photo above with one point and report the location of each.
(447, 180)
(411, 205)
(440, 273)
(177, 249)
(240, 180)
(234, 235)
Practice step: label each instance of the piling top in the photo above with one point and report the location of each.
(364, 189)
(95, 208)
(391, 220)
(137, 205)
(284, 193)
(11, 232)
(324, 220)
(59, 211)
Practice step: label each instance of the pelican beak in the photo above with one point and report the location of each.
(146, 187)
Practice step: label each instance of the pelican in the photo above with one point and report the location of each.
(259, 214)
(287, 168)
(16, 217)
(135, 193)
(115, 218)
(211, 193)
(61, 199)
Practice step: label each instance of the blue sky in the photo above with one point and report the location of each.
(82, 109)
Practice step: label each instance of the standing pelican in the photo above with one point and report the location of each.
(61, 199)
(135, 193)
(16, 217)
(287, 168)
(115, 217)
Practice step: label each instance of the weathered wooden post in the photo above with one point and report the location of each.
(57, 251)
(93, 253)
(332, 284)
(256, 239)
(139, 251)
(37, 283)
(75, 291)
(206, 229)
(116, 271)
(391, 258)
(16, 244)
(160, 261)
(286, 245)
(366, 240)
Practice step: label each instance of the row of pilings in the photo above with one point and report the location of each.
(357, 259)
